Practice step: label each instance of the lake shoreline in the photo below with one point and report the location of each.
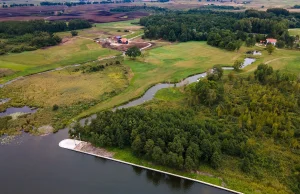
(76, 145)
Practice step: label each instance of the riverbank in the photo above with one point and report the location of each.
(80, 146)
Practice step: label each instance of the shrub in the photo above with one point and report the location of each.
(55, 107)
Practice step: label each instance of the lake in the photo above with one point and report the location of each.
(35, 165)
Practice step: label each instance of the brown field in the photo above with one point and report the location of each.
(93, 13)
(124, 47)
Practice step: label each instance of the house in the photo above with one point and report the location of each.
(123, 41)
(271, 41)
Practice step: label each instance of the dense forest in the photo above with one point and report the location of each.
(236, 112)
(19, 36)
(223, 29)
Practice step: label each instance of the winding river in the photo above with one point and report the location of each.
(150, 93)
(35, 165)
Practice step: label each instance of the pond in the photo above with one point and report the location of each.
(254, 52)
(22, 110)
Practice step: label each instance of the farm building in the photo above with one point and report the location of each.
(117, 38)
(271, 41)
(123, 41)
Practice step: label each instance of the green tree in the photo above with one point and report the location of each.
(149, 147)
(74, 33)
(215, 160)
(262, 72)
(250, 42)
(270, 48)
(280, 44)
(157, 154)
(172, 36)
(133, 52)
(189, 163)
(246, 165)
(216, 73)
(237, 65)
(137, 145)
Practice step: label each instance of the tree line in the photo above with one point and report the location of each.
(222, 29)
(19, 36)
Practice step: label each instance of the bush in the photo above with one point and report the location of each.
(74, 33)
(55, 107)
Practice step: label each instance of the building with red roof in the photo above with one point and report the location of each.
(271, 41)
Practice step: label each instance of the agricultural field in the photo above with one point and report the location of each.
(98, 13)
(71, 51)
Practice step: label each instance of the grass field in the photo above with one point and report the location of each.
(72, 91)
(175, 62)
(74, 51)
(294, 32)
(287, 60)
(169, 63)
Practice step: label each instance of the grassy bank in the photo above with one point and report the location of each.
(227, 176)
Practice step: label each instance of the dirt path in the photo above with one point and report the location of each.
(276, 59)
(85, 38)
(270, 61)
(136, 36)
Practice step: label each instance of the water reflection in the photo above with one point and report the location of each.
(157, 178)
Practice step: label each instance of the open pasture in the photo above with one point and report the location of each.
(174, 62)
(73, 51)
(168, 64)
(294, 31)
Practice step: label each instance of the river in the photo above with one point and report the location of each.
(35, 165)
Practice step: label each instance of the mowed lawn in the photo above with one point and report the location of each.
(168, 64)
(76, 50)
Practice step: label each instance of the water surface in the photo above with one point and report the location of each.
(12, 110)
(37, 165)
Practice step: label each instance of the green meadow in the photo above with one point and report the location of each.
(74, 51)
(169, 64)
(175, 62)
(295, 31)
